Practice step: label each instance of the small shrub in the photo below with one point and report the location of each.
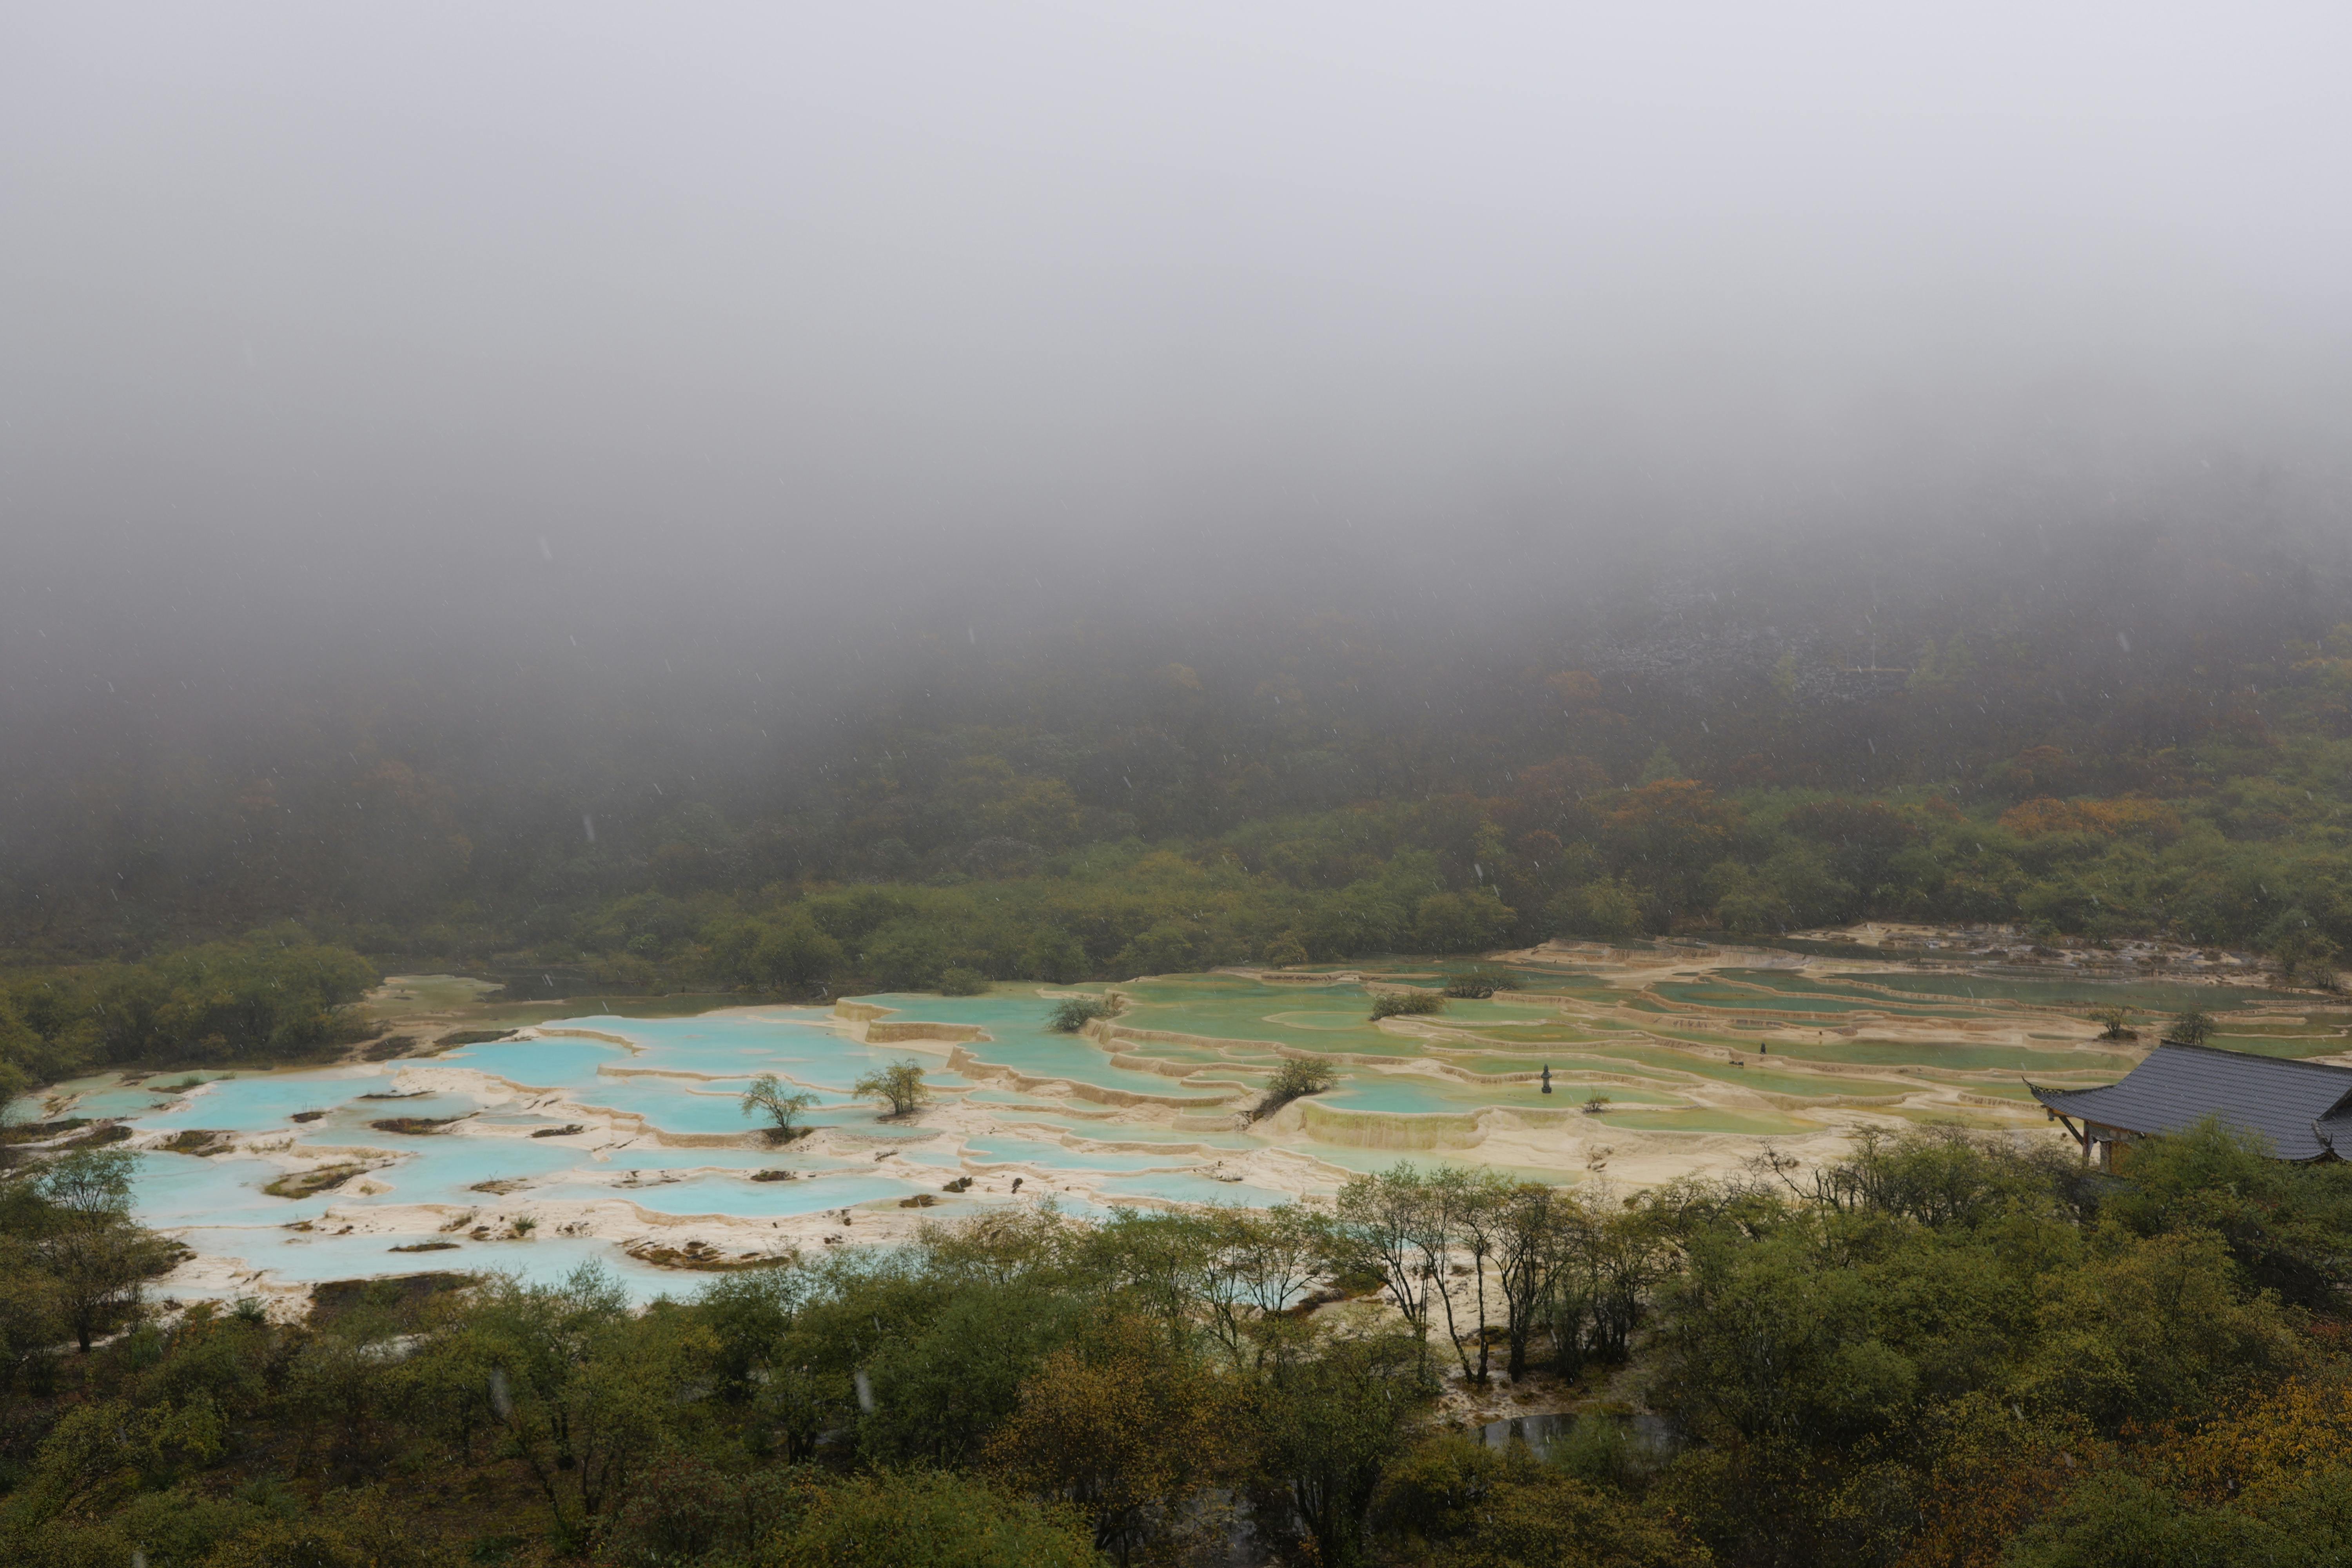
(1296, 1078)
(196, 1141)
(1476, 984)
(961, 982)
(1599, 1451)
(1406, 1004)
(1073, 1014)
(309, 1183)
(472, 1037)
(413, 1126)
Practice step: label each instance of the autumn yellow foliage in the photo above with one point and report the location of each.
(2131, 816)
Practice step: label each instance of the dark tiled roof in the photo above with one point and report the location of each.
(2302, 1108)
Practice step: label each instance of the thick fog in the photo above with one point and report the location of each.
(409, 337)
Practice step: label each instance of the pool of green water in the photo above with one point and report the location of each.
(2296, 1047)
(1236, 1025)
(2164, 996)
(1755, 1124)
(1762, 1080)
(1758, 1002)
(1533, 1034)
(1959, 1057)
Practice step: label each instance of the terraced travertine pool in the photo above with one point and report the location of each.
(618, 1137)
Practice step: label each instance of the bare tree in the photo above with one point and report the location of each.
(1529, 1255)
(1380, 1228)
(1465, 1214)
(768, 1096)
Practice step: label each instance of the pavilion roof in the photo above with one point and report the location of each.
(2303, 1108)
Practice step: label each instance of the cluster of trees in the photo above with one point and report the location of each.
(73, 1264)
(1469, 874)
(273, 996)
(1561, 853)
(1940, 1350)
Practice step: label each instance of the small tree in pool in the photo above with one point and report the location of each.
(2117, 1021)
(1296, 1078)
(899, 1086)
(1405, 1003)
(1478, 984)
(1073, 1014)
(768, 1096)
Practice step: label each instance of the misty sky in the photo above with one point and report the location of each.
(317, 316)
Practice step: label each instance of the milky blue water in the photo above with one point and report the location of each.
(680, 1075)
(309, 1259)
(1003, 1149)
(683, 1077)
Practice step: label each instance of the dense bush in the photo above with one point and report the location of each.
(1405, 1003)
(1073, 1014)
(1940, 1350)
(273, 996)
(1295, 1078)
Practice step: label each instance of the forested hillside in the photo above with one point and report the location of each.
(2125, 733)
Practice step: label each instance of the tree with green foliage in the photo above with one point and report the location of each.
(1468, 922)
(1502, 1508)
(84, 1240)
(948, 1374)
(899, 1086)
(783, 1107)
(1285, 951)
(1329, 1425)
(1603, 910)
(1295, 1078)
(927, 1519)
(1124, 1432)
(582, 1390)
(1380, 1224)
(275, 995)
(2305, 953)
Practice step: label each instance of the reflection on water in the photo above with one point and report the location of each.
(1536, 1431)
(1645, 1433)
